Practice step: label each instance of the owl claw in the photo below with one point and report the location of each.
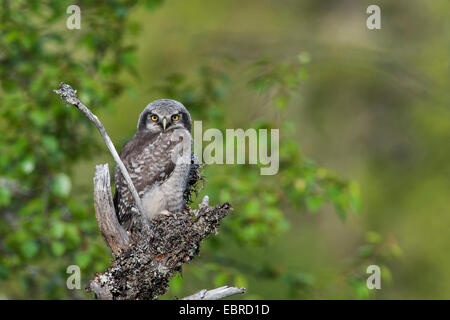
(205, 201)
(166, 213)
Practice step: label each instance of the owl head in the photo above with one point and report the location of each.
(163, 115)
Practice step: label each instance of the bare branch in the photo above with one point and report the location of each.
(69, 95)
(215, 294)
(114, 235)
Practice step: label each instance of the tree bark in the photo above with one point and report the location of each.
(116, 238)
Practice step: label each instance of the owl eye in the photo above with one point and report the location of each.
(175, 117)
(154, 117)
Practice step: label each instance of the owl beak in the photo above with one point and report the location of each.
(164, 123)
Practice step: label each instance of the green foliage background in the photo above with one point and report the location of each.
(363, 118)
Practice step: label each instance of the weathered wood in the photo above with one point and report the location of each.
(215, 294)
(114, 235)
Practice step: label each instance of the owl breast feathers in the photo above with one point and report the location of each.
(158, 164)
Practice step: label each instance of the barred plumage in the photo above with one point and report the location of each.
(156, 162)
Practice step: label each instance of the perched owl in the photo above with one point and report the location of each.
(158, 164)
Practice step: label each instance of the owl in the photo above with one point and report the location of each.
(158, 162)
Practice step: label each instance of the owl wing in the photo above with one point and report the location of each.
(147, 157)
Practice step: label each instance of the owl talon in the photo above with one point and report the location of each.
(166, 213)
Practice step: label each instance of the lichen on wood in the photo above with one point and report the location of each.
(156, 253)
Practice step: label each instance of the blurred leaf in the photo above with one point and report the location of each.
(176, 284)
(361, 290)
(365, 251)
(29, 249)
(58, 248)
(27, 165)
(373, 237)
(61, 185)
(314, 203)
(5, 196)
(57, 230)
(83, 259)
(240, 281)
(153, 4)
